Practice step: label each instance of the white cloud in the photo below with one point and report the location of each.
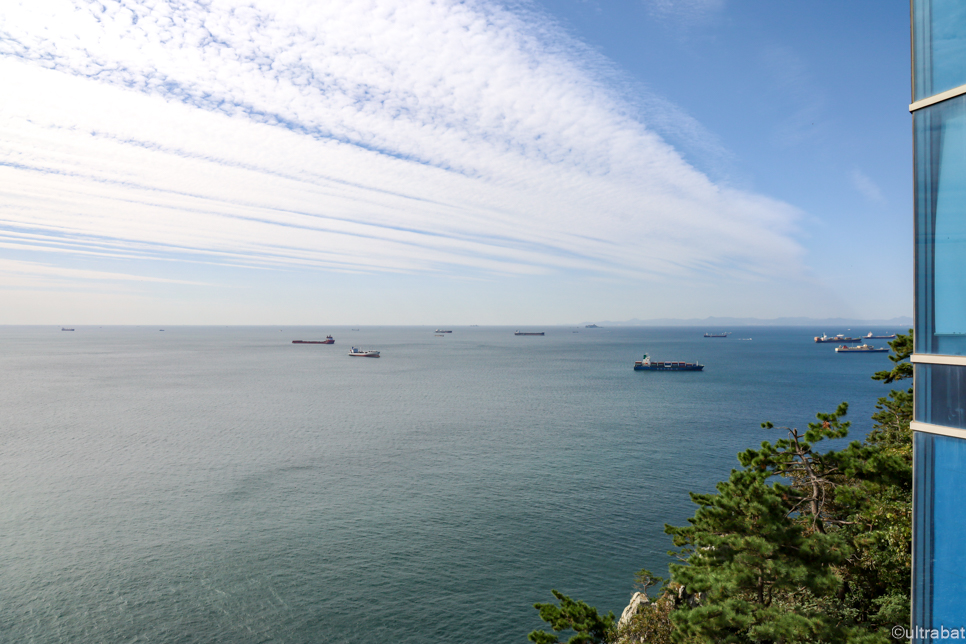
(406, 136)
(867, 187)
(21, 274)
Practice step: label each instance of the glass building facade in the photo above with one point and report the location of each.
(939, 139)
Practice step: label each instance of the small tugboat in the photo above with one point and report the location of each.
(528, 333)
(837, 339)
(879, 337)
(645, 364)
(328, 340)
(363, 353)
(862, 348)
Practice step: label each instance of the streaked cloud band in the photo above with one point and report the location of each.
(412, 136)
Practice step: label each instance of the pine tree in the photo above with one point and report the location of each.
(757, 554)
(588, 625)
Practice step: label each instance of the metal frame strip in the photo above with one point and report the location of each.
(938, 98)
(937, 429)
(926, 358)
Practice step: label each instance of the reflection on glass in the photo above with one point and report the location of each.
(939, 46)
(940, 185)
(938, 533)
(950, 234)
(941, 395)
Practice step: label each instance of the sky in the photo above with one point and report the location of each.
(445, 162)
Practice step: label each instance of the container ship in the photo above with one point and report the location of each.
(862, 348)
(837, 339)
(645, 364)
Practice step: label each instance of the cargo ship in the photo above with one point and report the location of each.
(441, 331)
(862, 348)
(837, 339)
(363, 353)
(879, 337)
(63, 328)
(716, 335)
(645, 364)
(528, 333)
(328, 340)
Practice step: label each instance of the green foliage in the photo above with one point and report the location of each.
(902, 349)
(644, 579)
(577, 616)
(891, 430)
(750, 564)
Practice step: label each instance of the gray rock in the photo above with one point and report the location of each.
(638, 600)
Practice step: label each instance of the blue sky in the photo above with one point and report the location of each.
(429, 162)
(807, 103)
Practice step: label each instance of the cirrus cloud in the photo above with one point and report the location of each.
(365, 136)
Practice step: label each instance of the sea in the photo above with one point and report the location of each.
(221, 484)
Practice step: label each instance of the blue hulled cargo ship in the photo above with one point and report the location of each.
(645, 364)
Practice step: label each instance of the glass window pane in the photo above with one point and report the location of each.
(922, 528)
(938, 532)
(939, 46)
(951, 228)
(940, 188)
(941, 395)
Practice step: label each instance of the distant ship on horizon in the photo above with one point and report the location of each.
(646, 364)
(528, 333)
(836, 339)
(862, 348)
(328, 340)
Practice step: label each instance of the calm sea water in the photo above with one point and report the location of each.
(224, 485)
